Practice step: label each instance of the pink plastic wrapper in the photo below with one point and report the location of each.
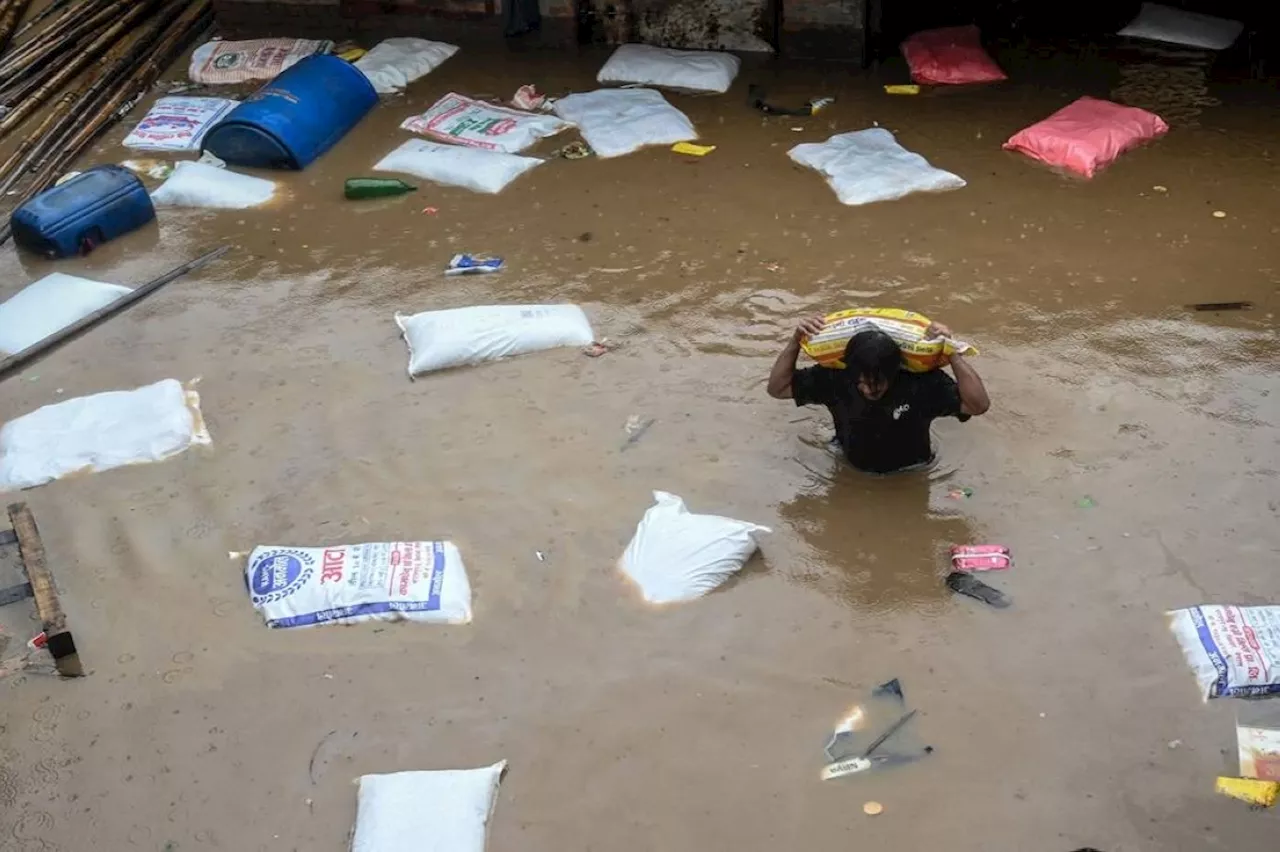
(950, 56)
(1087, 135)
(980, 557)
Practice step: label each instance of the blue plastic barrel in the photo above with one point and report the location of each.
(296, 117)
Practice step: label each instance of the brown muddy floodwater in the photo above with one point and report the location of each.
(698, 727)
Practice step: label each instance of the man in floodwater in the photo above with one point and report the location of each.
(881, 412)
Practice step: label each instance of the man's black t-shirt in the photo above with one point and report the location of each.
(886, 434)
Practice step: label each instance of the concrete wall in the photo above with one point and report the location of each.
(830, 28)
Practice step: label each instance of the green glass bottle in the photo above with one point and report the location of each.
(376, 187)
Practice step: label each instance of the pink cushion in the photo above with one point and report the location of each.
(1086, 135)
(950, 56)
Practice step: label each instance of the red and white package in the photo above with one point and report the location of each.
(460, 120)
(1087, 135)
(950, 56)
(971, 558)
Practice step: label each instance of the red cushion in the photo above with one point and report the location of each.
(1087, 135)
(950, 56)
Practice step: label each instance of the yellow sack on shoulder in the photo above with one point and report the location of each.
(907, 328)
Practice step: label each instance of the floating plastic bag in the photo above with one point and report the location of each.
(100, 432)
(1233, 650)
(178, 124)
(907, 328)
(50, 305)
(201, 185)
(228, 62)
(459, 337)
(397, 62)
(618, 121)
(950, 56)
(476, 124)
(869, 165)
(469, 168)
(678, 556)
(346, 584)
(1162, 23)
(686, 70)
(445, 811)
(1087, 135)
(1258, 739)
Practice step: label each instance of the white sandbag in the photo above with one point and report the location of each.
(459, 337)
(200, 185)
(99, 432)
(397, 62)
(678, 556)
(50, 305)
(445, 811)
(686, 70)
(869, 165)
(469, 168)
(1156, 22)
(422, 581)
(1233, 650)
(178, 123)
(460, 120)
(618, 121)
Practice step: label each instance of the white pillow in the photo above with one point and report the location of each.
(469, 168)
(459, 337)
(446, 811)
(687, 70)
(618, 121)
(869, 165)
(397, 62)
(50, 305)
(1162, 23)
(195, 184)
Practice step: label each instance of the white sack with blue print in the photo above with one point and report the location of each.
(422, 581)
(1233, 650)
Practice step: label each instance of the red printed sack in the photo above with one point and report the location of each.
(950, 56)
(1087, 135)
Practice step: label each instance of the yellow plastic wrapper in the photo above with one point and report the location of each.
(907, 328)
(1260, 794)
(693, 150)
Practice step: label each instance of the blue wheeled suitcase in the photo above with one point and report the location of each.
(98, 205)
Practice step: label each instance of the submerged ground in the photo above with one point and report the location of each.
(1069, 720)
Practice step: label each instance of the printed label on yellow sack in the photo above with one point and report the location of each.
(907, 328)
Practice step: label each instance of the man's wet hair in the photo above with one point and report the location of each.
(873, 355)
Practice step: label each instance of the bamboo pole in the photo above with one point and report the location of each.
(127, 89)
(112, 67)
(116, 102)
(69, 70)
(95, 15)
(44, 13)
(18, 360)
(11, 13)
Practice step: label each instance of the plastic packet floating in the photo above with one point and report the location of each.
(980, 557)
(851, 750)
(473, 264)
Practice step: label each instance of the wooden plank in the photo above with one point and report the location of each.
(32, 549)
(48, 607)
